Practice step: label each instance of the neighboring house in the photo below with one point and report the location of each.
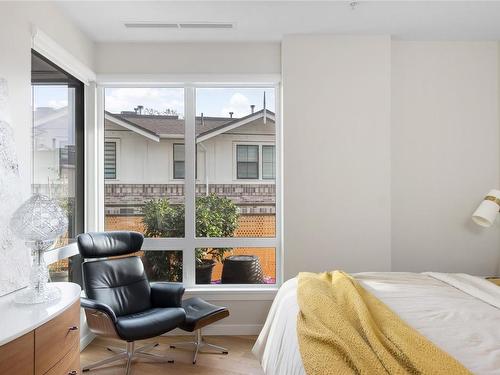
(144, 159)
(54, 153)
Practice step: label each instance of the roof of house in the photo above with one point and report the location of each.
(161, 126)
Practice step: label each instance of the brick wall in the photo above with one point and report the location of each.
(128, 199)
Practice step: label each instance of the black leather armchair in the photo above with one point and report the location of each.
(121, 303)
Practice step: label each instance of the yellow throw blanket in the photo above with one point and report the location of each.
(343, 329)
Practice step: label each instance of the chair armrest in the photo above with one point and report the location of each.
(88, 303)
(166, 294)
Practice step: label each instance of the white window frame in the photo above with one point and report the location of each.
(190, 242)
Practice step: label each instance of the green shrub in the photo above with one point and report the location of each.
(215, 217)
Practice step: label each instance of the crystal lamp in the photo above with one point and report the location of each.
(39, 221)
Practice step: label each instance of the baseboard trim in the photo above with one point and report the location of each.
(223, 330)
(211, 330)
(85, 340)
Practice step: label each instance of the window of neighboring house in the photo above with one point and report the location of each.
(268, 162)
(110, 160)
(179, 161)
(247, 162)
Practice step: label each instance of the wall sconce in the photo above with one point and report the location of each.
(487, 211)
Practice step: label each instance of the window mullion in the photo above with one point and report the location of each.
(189, 186)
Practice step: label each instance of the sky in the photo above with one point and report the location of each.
(54, 96)
(209, 101)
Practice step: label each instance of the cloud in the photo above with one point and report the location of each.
(239, 104)
(126, 99)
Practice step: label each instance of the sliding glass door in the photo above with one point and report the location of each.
(58, 144)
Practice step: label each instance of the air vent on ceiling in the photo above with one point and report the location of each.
(205, 25)
(147, 25)
(181, 25)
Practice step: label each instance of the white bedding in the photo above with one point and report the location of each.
(457, 312)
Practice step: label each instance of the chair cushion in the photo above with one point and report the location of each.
(108, 244)
(149, 323)
(200, 313)
(119, 283)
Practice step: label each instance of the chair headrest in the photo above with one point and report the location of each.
(106, 244)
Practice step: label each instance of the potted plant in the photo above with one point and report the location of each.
(215, 217)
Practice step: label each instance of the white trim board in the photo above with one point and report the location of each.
(225, 128)
(178, 80)
(86, 340)
(47, 47)
(132, 127)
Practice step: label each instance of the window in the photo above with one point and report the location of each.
(147, 136)
(196, 179)
(58, 140)
(58, 149)
(110, 160)
(178, 161)
(268, 162)
(247, 162)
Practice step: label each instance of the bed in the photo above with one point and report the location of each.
(457, 312)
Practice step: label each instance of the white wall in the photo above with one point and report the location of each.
(188, 58)
(402, 143)
(16, 20)
(336, 115)
(445, 155)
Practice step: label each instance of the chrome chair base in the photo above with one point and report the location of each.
(199, 344)
(128, 354)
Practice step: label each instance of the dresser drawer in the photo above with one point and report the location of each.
(69, 365)
(16, 357)
(56, 338)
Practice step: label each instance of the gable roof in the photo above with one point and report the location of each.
(156, 127)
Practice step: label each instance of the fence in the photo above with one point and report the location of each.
(248, 226)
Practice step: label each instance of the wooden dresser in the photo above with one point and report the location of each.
(42, 339)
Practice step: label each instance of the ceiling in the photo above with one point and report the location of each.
(104, 21)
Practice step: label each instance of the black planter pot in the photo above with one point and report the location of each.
(204, 271)
(242, 269)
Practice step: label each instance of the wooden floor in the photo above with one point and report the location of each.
(240, 359)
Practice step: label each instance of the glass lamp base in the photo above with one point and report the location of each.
(32, 296)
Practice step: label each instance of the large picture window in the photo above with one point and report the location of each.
(58, 146)
(197, 176)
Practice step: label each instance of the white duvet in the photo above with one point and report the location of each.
(457, 312)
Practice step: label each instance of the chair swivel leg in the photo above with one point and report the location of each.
(199, 344)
